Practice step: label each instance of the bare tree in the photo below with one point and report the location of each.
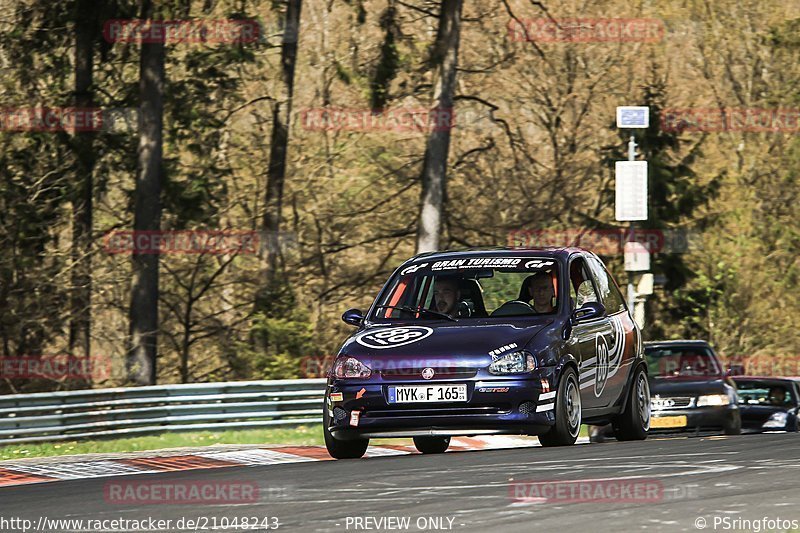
(141, 362)
(279, 143)
(443, 60)
(81, 276)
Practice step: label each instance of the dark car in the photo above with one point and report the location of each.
(767, 403)
(500, 341)
(690, 390)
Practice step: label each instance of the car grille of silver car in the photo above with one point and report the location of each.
(658, 403)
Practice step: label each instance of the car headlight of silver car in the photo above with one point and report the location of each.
(712, 400)
(777, 420)
(513, 363)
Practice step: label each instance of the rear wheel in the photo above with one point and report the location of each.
(634, 422)
(432, 444)
(342, 449)
(567, 411)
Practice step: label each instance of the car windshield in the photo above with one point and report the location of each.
(668, 362)
(761, 393)
(472, 287)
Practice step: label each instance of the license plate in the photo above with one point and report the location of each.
(668, 422)
(428, 394)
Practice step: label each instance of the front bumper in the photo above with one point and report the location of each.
(495, 405)
(699, 418)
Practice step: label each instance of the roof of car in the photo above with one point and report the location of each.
(764, 378)
(680, 342)
(502, 251)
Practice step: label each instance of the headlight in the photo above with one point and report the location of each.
(777, 420)
(513, 363)
(350, 368)
(713, 400)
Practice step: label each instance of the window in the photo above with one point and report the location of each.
(680, 361)
(581, 287)
(609, 293)
(472, 287)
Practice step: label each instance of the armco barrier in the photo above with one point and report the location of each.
(154, 409)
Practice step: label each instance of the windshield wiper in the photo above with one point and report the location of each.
(420, 310)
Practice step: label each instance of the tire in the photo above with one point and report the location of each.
(432, 444)
(634, 422)
(568, 412)
(342, 449)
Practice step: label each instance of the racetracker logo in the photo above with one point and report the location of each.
(717, 120)
(369, 120)
(56, 367)
(606, 241)
(181, 31)
(182, 242)
(588, 490)
(179, 492)
(764, 365)
(586, 30)
(68, 119)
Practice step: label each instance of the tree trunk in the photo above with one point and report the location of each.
(444, 60)
(281, 115)
(141, 363)
(81, 276)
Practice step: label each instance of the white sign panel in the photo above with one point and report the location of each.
(637, 258)
(633, 117)
(631, 190)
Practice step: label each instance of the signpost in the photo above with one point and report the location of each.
(631, 204)
(631, 190)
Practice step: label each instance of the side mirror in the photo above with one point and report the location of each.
(589, 311)
(354, 317)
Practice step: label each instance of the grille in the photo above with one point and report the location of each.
(658, 403)
(415, 373)
(339, 414)
(527, 408)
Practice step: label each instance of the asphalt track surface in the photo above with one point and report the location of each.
(750, 477)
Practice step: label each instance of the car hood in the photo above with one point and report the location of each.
(473, 344)
(687, 387)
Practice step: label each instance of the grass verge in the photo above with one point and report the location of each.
(299, 436)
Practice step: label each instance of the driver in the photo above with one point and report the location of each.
(539, 288)
(777, 395)
(446, 295)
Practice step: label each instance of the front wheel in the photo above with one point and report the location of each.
(432, 444)
(342, 449)
(568, 412)
(634, 422)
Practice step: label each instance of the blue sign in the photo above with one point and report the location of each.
(633, 117)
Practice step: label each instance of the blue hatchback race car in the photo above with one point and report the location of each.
(500, 341)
